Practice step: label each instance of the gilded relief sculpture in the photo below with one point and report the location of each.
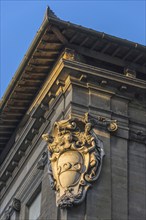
(75, 160)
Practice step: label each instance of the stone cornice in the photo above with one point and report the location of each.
(103, 73)
(65, 67)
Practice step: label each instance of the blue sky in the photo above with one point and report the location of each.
(20, 21)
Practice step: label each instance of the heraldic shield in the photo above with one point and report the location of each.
(75, 160)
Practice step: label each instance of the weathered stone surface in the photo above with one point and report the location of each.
(137, 115)
(77, 212)
(119, 175)
(98, 203)
(137, 181)
(99, 99)
(48, 204)
(80, 95)
(119, 106)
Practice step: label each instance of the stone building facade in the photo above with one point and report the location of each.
(74, 73)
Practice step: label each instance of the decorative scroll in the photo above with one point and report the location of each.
(75, 160)
(110, 124)
(14, 207)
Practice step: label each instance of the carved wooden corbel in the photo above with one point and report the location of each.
(72, 55)
(75, 160)
(69, 54)
(129, 72)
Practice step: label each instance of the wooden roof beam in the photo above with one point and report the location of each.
(95, 44)
(3, 138)
(5, 132)
(7, 126)
(38, 65)
(14, 114)
(25, 93)
(84, 41)
(74, 37)
(41, 66)
(32, 80)
(49, 35)
(138, 57)
(20, 99)
(116, 51)
(9, 120)
(43, 58)
(106, 47)
(34, 88)
(59, 35)
(64, 31)
(130, 51)
(50, 44)
(106, 58)
(31, 74)
(47, 50)
(16, 107)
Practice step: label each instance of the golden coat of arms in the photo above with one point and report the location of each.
(75, 160)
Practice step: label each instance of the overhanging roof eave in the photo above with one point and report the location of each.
(52, 19)
(86, 30)
(24, 62)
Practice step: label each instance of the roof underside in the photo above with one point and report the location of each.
(53, 36)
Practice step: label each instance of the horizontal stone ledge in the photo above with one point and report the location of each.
(105, 74)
